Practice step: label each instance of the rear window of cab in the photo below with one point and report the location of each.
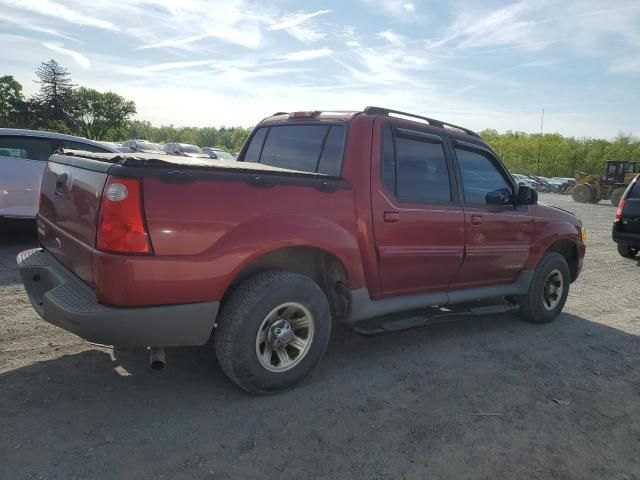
(307, 148)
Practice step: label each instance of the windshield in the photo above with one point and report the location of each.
(190, 148)
(148, 146)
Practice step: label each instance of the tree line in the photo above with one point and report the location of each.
(553, 155)
(62, 106)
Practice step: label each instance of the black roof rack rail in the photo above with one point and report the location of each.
(279, 113)
(430, 121)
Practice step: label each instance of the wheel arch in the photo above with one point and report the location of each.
(323, 267)
(569, 250)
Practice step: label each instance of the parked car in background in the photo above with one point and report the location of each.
(524, 180)
(23, 157)
(185, 150)
(218, 153)
(626, 228)
(317, 226)
(543, 184)
(142, 146)
(115, 145)
(564, 183)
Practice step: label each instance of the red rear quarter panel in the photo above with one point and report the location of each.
(206, 232)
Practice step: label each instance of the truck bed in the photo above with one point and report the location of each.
(206, 220)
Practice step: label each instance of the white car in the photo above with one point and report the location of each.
(23, 157)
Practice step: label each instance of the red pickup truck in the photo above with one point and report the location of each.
(324, 216)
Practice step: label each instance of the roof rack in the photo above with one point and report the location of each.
(430, 121)
(279, 113)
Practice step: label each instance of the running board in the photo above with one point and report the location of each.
(435, 315)
(363, 307)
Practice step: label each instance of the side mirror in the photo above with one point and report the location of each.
(526, 196)
(502, 196)
(212, 155)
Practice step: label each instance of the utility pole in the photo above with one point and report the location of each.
(540, 143)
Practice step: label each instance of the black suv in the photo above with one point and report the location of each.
(626, 228)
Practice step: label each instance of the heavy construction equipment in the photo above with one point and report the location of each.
(591, 188)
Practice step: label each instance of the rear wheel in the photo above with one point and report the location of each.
(627, 251)
(582, 193)
(616, 196)
(548, 290)
(272, 331)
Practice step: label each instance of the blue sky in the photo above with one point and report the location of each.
(481, 64)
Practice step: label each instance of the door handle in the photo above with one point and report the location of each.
(391, 217)
(61, 184)
(476, 220)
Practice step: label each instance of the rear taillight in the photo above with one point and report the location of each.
(620, 210)
(121, 227)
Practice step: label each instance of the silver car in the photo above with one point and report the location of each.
(23, 157)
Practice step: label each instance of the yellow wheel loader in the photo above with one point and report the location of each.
(591, 188)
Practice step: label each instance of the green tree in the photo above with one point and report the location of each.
(53, 103)
(12, 102)
(101, 116)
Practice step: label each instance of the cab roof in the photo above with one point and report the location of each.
(346, 115)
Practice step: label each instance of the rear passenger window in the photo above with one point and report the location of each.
(415, 169)
(634, 190)
(479, 175)
(331, 158)
(307, 148)
(28, 148)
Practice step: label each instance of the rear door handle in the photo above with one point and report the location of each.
(61, 184)
(476, 220)
(391, 217)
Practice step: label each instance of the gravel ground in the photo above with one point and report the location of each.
(490, 397)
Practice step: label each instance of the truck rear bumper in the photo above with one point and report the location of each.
(62, 299)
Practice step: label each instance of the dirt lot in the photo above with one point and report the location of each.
(491, 397)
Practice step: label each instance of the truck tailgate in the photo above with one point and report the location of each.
(68, 216)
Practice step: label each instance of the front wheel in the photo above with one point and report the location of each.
(272, 331)
(627, 251)
(548, 290)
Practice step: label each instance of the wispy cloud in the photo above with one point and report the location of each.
(295, 19)
(23, 24)
(626, 65)
(247, 38)
(80, 59)
(161, 67)
(176, 42)
(398, 8)
(56, 10)
(305, 55)
(393, 38)
(298, 25)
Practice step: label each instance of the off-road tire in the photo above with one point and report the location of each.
(616, 196)
(532, 306)
(582, 193)
(242, 315)
(627, 251)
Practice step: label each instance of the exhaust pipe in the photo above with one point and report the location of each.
(157, 358)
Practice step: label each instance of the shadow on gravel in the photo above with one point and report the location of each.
(453, 400)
